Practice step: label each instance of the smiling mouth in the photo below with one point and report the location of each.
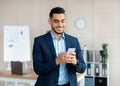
(59, 27)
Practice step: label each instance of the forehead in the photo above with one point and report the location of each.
(58, 16)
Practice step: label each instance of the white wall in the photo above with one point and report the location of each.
(102, 16)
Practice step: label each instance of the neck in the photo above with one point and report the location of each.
(58, 35)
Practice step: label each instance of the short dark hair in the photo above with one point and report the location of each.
(56, 10)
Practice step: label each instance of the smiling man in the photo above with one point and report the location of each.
(51, 62)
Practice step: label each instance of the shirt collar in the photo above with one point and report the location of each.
(54, 37)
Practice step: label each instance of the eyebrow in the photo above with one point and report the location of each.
(59, 20)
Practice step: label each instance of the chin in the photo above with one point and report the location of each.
(60, 32)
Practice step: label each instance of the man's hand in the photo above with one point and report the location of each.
(71, 58)
(61, 58)
(64, 58)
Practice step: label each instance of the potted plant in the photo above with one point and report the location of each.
(104, 55)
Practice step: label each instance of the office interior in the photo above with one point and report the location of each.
(102, 19)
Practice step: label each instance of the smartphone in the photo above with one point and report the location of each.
(70, 50)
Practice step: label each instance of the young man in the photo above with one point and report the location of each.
(52, 63)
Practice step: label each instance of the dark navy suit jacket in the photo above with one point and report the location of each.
(44, 60)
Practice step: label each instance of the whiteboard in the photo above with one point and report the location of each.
(16, 43)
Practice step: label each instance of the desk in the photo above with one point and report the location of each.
(27, 79)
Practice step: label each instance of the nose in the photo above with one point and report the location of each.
(60, 23)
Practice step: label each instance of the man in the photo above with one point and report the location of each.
(51, 62)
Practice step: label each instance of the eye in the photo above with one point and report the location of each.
(63, 21)
(56, 21)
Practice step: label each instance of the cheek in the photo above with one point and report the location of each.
(55, 25)
(64, 24)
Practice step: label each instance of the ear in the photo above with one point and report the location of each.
(49, 21)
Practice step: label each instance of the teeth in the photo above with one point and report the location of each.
(59, 28)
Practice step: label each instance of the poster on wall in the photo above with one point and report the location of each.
(16, 43)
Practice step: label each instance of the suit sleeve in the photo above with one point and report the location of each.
(82, 66)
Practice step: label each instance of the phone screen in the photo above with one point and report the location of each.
(71, 50)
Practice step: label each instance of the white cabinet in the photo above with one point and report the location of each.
(97, 72)
(6, 81)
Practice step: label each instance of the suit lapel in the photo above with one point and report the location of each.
(67, 41)
(50, 43)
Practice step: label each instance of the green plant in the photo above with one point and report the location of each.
(104, 54)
